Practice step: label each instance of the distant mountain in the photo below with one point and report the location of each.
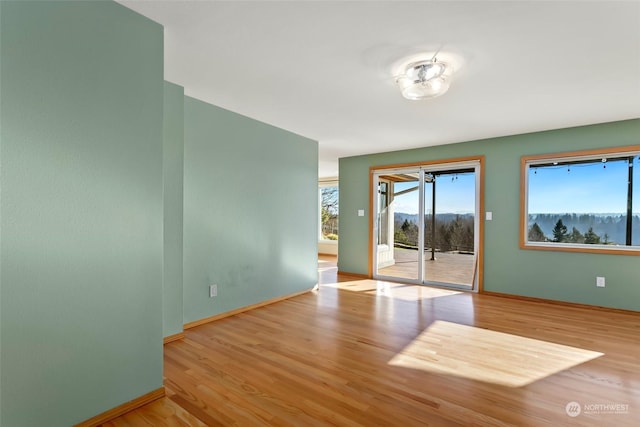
(612, 226)
(444, 217)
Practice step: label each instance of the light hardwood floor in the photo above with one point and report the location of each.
(367, 353)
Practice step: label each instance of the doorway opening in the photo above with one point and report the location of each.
(426, 223)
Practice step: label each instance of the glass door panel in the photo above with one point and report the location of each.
(397, 225)
(450, 230)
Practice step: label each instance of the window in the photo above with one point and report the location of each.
(583, 201)
(328, 211)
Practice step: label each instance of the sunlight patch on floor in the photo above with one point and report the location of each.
(489, 356)
(410, 292)
(393, 290)
(326, 265)
(352, 285)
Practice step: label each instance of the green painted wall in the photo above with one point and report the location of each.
(173, 156)
(507, 269)
(250, 211)
(81, 215)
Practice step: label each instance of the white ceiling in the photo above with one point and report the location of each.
(324, 70)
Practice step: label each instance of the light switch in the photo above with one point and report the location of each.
(489, 216)
(360, 212)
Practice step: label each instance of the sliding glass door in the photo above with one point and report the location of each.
(425, 224)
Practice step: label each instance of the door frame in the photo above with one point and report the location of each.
(425, 164)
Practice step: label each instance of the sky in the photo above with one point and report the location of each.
(587, 188)
(455, 195)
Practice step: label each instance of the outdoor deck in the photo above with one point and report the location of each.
(453, 268)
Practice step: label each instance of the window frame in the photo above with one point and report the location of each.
(582, 155)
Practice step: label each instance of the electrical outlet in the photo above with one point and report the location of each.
(600, 282)
(213, 291)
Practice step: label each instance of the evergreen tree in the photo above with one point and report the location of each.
(428, 232)
(536, 234)
(410, 230)
(468, 242)
(443, 235)
(456, 233)
(575, 236)
(591, 238)
(560, 232)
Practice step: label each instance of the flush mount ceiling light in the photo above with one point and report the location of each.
(425, 79)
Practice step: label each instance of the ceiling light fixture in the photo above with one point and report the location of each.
(425, 79)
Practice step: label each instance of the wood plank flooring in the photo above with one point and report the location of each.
(368, 353)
